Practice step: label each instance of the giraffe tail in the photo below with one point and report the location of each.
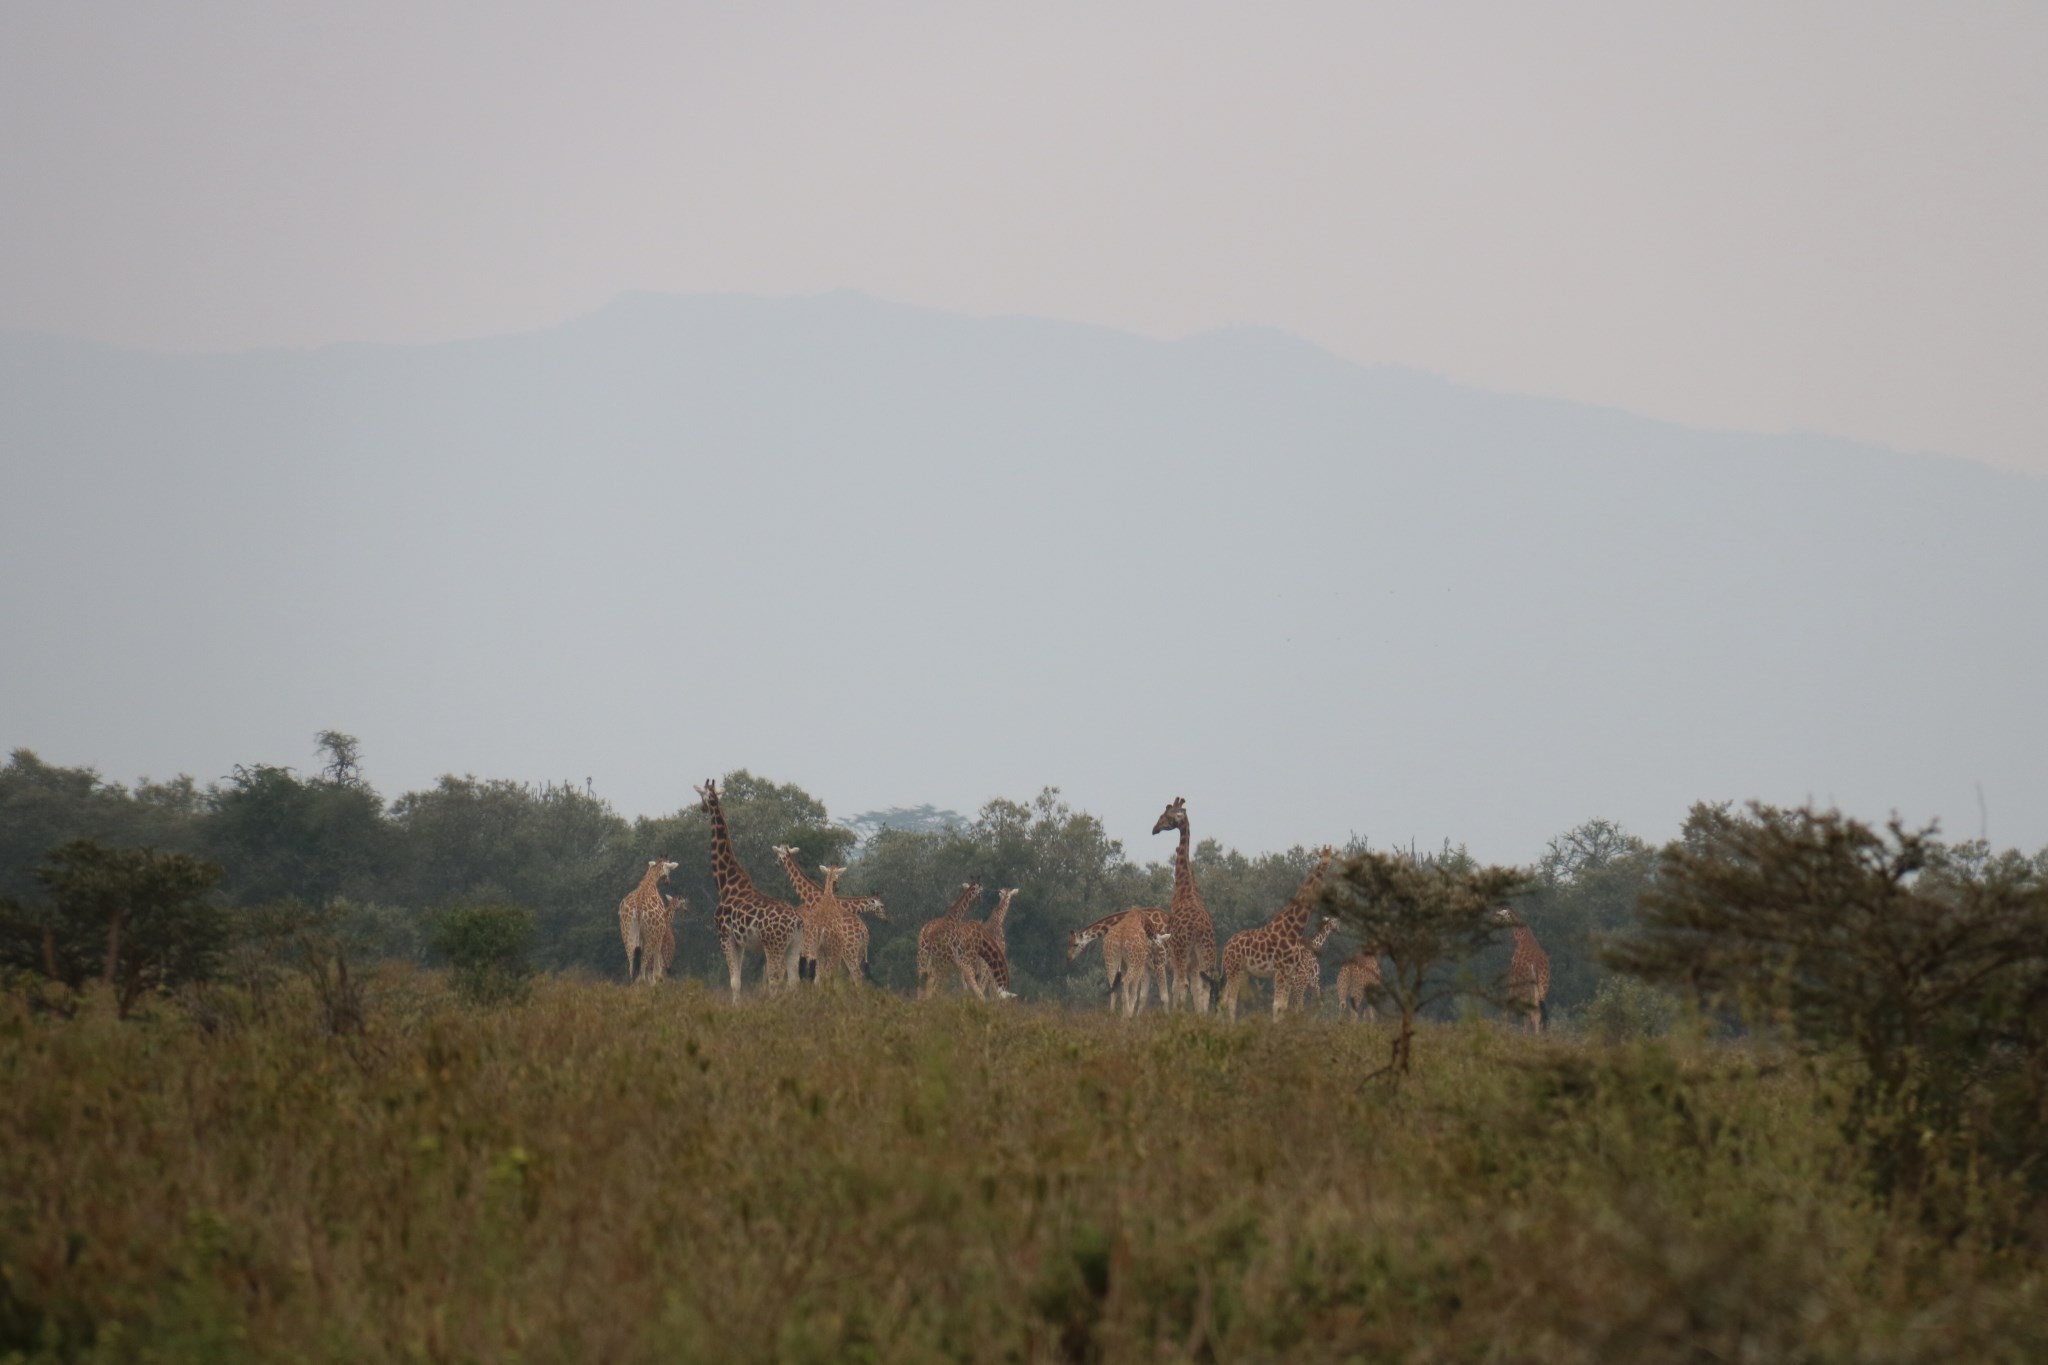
(1115, 981)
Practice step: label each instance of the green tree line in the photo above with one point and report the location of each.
(329, 839)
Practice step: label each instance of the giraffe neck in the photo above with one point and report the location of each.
(960, 902)
(1323, 935)
(726, 871)
(1184, 893)
(1525, 941)
(1295, 915)
(646, 890)
(1088, 933)
(1001, 912)
(807, 890)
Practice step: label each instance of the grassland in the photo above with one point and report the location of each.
(604, 1174)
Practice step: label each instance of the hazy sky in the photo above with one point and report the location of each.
(1814, 216)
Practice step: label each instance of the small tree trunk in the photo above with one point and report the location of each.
(1399, 1060)
(113, 946)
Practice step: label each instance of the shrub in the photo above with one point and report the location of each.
(1922, 961)
(486, 948)
(1625, 1009)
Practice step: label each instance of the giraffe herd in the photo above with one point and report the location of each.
(1170, 954)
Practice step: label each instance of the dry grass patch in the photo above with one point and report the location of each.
(654, 1174)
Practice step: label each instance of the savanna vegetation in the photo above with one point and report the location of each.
(289, 1071)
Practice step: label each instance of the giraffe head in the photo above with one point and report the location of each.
(860, 905)
(1505, 914)
(661, 868)
(1081, 938)
(1174, 817)
(675, 905)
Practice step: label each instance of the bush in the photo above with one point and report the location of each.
(132, 918)
(1921, 961)
(486, 948)
(1625, 1009)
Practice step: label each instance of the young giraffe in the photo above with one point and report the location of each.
(970, 955)
(935, 940)
(1191, 949)
(1528, 972)
(746, 917)
(639, 913)
(1133, 954)
(809, 908)
(846, 942)
(1355, 980)
(665, 946)
(1304, 972)
(1268, 950)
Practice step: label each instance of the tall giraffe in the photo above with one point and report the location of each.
(747, 918)
(1133, 954)
(639, 913)
(1191, 950)
(846, 941)
(1355, 980)
(1528, 972)
(971, 947)
(1267, 951)
(1303, 975)
(935, 940)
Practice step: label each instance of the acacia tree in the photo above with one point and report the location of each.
(132, 918)
(1923, 960)
(1423, 914)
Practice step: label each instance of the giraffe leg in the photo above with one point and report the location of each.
(735, 959)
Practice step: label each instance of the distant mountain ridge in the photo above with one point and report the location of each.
(901, 556)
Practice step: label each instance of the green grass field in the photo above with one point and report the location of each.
(611, 1174)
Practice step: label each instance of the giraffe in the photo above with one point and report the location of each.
(1355, 979)
(810, 908)
(935, 940)
(638, 914)
(747, 918)
(846, 942)
(1191, 948)
(1268, 950)
(983, 965)
(1133, 954)
(824, 912)
(665, 945)
(1303, 975)
(1528, 972)
(971, 945)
